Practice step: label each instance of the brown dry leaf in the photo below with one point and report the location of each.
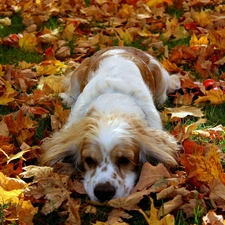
(73, 210)
(170, 67)
(53, 188)
(149, 175)
(130, 202)
(213, 218)
(214, 97)
(171, 205)
(116, 216)
(36, 171)
(183, 111)
(153, 218)
(217, 192)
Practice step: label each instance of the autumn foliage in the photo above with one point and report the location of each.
(188, 37)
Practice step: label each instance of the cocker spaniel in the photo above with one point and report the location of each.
(114, 125)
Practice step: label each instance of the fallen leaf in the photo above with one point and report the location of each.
(130, 202)
(183, 111)
(149, 175)
(153, 218)
(28, 42)
(214, 97)
(213, 218)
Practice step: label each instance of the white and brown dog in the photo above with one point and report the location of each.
(114, 125)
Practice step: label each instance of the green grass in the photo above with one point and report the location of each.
(12, 55)
(16, 27)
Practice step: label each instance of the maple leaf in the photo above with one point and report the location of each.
(209, 167)
(50, 67)
(202, 18)
(55, 83)
(124, 36)
(28, 42)
(201, 41)
(11, 191)
(214, 97)
(153, 218)
(174, 29)
(7, 93)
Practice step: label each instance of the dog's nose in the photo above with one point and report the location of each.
(104, 192)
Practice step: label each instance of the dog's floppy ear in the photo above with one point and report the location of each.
(157, 146)
(65, 145)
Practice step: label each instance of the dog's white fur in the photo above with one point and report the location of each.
(114, 124)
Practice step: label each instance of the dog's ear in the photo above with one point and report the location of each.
(157, 146)
(65, 145)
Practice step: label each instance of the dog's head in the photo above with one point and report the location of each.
(110, 149)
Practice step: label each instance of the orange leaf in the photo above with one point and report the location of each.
(209, 167)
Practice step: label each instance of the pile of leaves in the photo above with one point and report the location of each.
(53, 37)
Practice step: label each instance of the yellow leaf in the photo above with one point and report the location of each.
(214, 97)
(8, 92)
(201, 41)
(154, 3)
(68, 32)
(209, 167)
(1, 72)
(50, 67)
(153, 217)
(28, 42)
(54, 82)
(202, 18)
(26, 212)
(124, 35)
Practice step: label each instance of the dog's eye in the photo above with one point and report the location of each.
(90, 161)
(123, 161)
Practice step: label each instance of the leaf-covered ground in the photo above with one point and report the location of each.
(41, 41)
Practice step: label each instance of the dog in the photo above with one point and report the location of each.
(114, 125)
